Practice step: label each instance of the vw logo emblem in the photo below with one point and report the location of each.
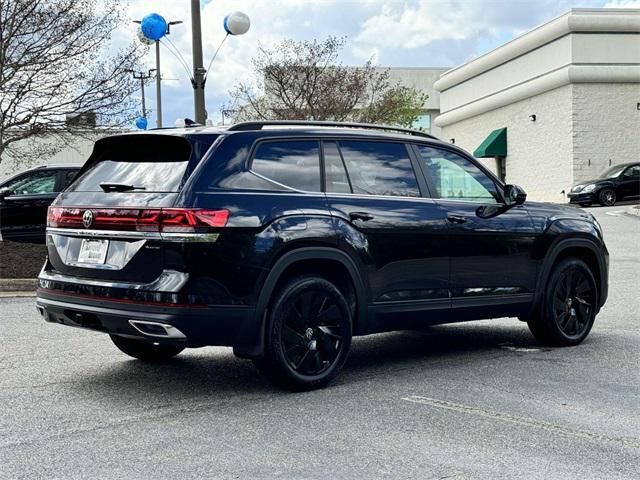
(87, 218)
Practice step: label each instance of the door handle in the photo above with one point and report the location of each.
(364, 216)
(456, 219)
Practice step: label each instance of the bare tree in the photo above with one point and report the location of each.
(54, 65)
(302, 80)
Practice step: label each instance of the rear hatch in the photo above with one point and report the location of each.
(117, 222)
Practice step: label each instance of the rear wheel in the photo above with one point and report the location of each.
(570, 304)
(607, 197)
(144, 350)
(308, 334)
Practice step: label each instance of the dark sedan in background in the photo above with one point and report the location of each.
(620, 182)
(25, 197)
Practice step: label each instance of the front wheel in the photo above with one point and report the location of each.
(607, 197)
(308, 334)
(145, 351)
(570, 304)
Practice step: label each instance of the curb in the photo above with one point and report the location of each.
(18, 284)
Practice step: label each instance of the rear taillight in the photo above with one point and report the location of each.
(181, 220)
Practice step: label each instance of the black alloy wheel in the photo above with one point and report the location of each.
(569, 306)
(312, 335)
(309, 334)
(573, 303)
(607, 197)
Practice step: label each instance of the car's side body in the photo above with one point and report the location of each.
(26, 197)
(402, 262)
(624, 185)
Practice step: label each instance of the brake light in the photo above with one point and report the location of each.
(187, 220)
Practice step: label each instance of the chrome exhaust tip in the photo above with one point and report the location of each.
(156, 329)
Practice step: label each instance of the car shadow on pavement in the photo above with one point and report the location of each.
(216, 374)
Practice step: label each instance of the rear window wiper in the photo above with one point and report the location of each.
(119, 187)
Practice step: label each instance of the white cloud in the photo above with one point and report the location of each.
(395, 33)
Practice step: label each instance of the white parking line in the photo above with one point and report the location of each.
(530, 422)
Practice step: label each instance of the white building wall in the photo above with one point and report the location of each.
(71, 149)
(606, 127)
(539, 153)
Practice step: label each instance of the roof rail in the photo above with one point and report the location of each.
(259, 124)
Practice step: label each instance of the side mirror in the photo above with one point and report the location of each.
(514, 195)
(5, 192)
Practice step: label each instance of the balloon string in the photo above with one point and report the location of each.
(214, 57)
(176, 53)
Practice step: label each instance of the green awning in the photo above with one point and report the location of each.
(495, 145)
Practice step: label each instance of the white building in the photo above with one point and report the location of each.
(567, 93)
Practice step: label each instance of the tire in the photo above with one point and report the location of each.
(569, 305)
(308, 334)
(145, 351)
(607, 197)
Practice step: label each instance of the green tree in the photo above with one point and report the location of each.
(303, 80)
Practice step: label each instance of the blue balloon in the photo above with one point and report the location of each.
(154, 26)
(141, 123)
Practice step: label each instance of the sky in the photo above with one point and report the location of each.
(394, 33)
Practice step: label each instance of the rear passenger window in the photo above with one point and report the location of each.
(293, 163)
(379, 168)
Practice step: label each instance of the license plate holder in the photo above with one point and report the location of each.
(93, 252)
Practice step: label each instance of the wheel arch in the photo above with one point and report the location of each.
(582, 248)
(299, 261)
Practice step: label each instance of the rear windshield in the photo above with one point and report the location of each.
(150, 163)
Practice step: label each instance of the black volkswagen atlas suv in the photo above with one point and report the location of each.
(284, 240)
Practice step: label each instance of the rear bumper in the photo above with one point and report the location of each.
(192, 327)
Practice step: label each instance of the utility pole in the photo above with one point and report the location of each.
(158, 87)
(142, 77)
(198, 67)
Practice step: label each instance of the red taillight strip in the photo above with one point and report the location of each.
(178, 220)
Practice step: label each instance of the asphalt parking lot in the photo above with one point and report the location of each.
(475, 400)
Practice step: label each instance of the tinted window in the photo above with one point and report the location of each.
(456, 177)
(633, 171)
(33, 183)
(156, 163)
(379, 168)
(67, 177)
(294, 163)
(334, 171)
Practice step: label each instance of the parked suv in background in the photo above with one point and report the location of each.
(284, 243)
(25, 197)
(617, 183)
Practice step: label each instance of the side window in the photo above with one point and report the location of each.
(455, 177)
(33, 183)
(334, 170)
(294, 163)
(67, 177)
(632, 172)
(379, 168)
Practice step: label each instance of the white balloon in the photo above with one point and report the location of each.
(142, 37)
(237, 23)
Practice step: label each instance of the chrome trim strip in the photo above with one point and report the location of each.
(116, 234)
(171, 331)
(77, 232)
(169, 281)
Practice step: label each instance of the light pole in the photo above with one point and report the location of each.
(154, 27)
(198, 67)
